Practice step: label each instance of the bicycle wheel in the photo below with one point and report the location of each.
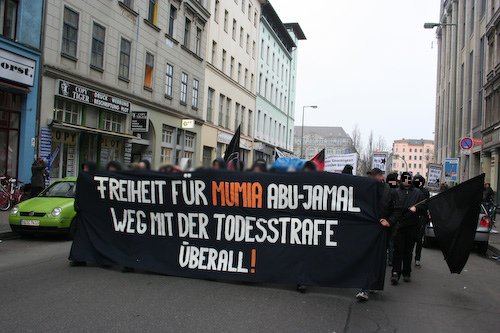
(5, 202)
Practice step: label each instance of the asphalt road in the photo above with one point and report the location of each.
(40, 292)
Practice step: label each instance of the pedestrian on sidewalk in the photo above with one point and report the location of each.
(38, 177)
(406, 228)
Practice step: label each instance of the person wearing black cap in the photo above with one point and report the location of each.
(419, 182)
(389, 213)
(407, 226)
(347, 169)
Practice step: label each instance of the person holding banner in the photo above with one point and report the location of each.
(390, 213)
(406, 228)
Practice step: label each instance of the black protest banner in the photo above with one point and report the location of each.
(310, 228)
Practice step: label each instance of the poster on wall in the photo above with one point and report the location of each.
(451, 170)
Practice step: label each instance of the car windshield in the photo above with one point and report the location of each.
(60, 189)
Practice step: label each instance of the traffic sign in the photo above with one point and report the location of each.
(466, 143)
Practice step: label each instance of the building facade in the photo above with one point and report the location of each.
(122, 80)
(412, 155)
(334, 139)
(276, 69)
(230, 73)
(20, 50)
(467, 86)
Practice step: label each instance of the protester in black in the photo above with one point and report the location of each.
(113, 166)
(406, 228)
(347, 169)
(419, 182)
(392, 181)
(389, 213)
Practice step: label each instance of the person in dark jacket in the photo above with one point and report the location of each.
(406, 228)
(38, 175)
(219, 164)
(347, 169)
(389, 213)
(419, 182)
(392, 181)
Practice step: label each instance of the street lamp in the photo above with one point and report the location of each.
(404, 160)
(302, 135)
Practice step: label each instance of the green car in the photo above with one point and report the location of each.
(52, 211)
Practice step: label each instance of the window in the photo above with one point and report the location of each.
(187, 33)
(249, 12)
(128, 3)
(223, 65)
(243, 6)
(262, 49)
(226, 18)
(214, 50)
(420, 158)
(409, 157)
(124, 67)
(255, 19)
(236, 116)
(249, 123)
(67, 111)
(184, 87)
(221, 109)
(239, 72)
(148, 73)
(197, 47)
(234, 30)
(196, 87)
(242, 120)
(169, 79)
(472, 14)
(167, 134)
(231, 68)
(70, 32)
(189, 140)
(210, 104)
(153, 11)
(8, 15)
(112, 121)
(228, 112)
(246, 78)
(253, 49)
(241, 36)
(166, 155)
(216, 11)
(251, 81)
(171, 20)
(248, 44)
(98, 35)
(410, 150)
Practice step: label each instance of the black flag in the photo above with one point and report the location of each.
(232, 154)
(454, 214)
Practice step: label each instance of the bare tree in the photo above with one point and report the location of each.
(381, 144)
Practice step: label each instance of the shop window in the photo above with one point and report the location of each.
(148, 72)
(166, 155)
(70, 32)
(67, 112)
(113, 122)
(189, 140)
(8, 15)
(124, 68)
(97, 56)
(207, 156)
(9, 133)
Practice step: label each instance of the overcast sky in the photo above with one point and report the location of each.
(366, 62)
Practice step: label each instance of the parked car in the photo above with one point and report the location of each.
(52, 211)
(482, 237)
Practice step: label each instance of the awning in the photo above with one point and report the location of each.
(57, 124)
(14, 88)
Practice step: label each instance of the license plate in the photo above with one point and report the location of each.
(30, 222)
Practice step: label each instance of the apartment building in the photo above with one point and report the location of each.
(122, 80)
(412, 155)
(314, 138)
(467, 103)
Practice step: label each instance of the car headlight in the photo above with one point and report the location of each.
(14, 210)
(56, 212)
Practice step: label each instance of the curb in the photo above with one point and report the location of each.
(8, 235)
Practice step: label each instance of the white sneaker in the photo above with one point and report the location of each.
(417, 263)
(362, 296)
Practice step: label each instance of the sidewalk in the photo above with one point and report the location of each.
(4, 225)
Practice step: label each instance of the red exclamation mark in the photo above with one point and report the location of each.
(254, 259)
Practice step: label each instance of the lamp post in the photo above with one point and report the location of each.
(404, 160)
(302, 135)
(452, 140)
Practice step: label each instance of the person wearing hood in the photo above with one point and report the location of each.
(419, 182)
(410, 199)
(219, 164)
(347, 169)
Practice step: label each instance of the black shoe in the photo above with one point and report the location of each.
(126, 269)
(407, 278)
(394, 278)
(301, 288)
(75, 263)
(389, 263)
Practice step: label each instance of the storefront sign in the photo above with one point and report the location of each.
(140, 121)
(187, 123)
(108, 142)
(63, 136)
(88, 96)
(16, 68)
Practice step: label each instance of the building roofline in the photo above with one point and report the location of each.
(297, 30)
(277, 25)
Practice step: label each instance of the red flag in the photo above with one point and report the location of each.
(319, 160)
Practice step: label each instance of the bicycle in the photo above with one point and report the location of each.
(10, 193)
